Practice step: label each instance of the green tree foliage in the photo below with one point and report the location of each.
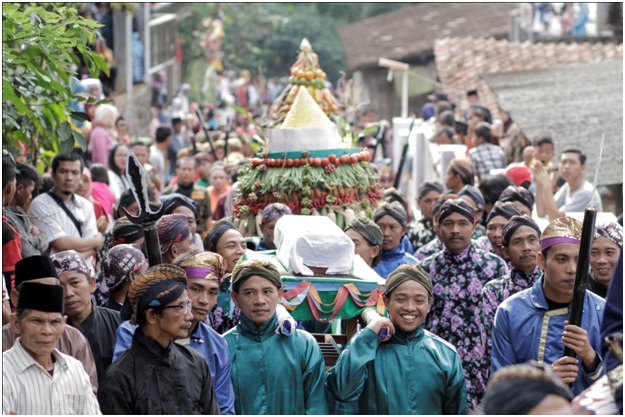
(40, 43)
(268, 35)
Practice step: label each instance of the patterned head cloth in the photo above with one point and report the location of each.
(215, 233)
(520, 194)
(70, 260)
(367, 229)
(117, 263)
(157, 287)
(406, 273)
(125, 231)
(394, 209)
(247, 269)
(459, 206)
(172, 201)
(172, 228)
(517, 389)
(274, 211)
(514, 224)
(505, 210)
(474, 194)
(561, 230)
(612, 231)
(205, 265)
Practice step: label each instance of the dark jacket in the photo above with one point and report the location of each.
(148, 379)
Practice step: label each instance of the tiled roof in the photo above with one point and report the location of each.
(461, 61)
(575, 104)
(408, 34)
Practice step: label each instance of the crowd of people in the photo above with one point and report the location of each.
(474, 289)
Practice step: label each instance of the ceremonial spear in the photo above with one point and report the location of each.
(148, 213)
(583, 259)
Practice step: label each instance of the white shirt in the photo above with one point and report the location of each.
(118, 184)
(157, 160)
(27, 388)
(52, 221)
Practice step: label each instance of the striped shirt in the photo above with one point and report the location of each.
(28, 388)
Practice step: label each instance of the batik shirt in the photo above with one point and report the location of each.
(493, 294)
(436, 246)
(458, 281)
(420, 233)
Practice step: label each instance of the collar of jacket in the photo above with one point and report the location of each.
(152, 348)
(462, 257)
(396, 252)
(404, 338)
(258, 333)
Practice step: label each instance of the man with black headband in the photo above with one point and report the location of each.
(393, 220)
(521, 198)
(474, 197)
(520, 247)
(495, 221)
(67, 219)
(271, 373)
(530, 388)
(533, 324)
(37, 378)
(458, 272)
(205, 271)
(156, 375)
(422, 231)
(415, 372)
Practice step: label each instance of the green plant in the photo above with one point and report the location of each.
(40, 47)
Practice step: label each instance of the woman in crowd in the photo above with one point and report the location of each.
(117, 170)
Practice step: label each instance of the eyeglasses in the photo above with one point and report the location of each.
(184, 307)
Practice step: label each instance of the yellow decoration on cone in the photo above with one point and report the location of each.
(305, 112)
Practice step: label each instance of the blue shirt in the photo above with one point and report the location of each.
(393, 258)
(204, 340)
(526, 329)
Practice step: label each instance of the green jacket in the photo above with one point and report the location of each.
(273, 373)
(416, 373)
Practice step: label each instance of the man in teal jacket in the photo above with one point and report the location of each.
(271, 373)
(415, 372)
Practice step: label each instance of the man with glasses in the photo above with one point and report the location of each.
(155, 375)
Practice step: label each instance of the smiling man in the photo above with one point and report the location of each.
(271, 373)
(458, 273)
(157, 376)
(533, 324)
(606, 249)
(415, 372)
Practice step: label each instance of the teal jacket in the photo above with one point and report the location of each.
(273, 373)
(415, 373)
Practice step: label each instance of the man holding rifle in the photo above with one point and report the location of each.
(533, 324)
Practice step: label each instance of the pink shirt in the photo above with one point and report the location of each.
(100, 142)
(103, 194)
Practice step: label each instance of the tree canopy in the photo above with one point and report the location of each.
(268, 35)
(40, 47)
